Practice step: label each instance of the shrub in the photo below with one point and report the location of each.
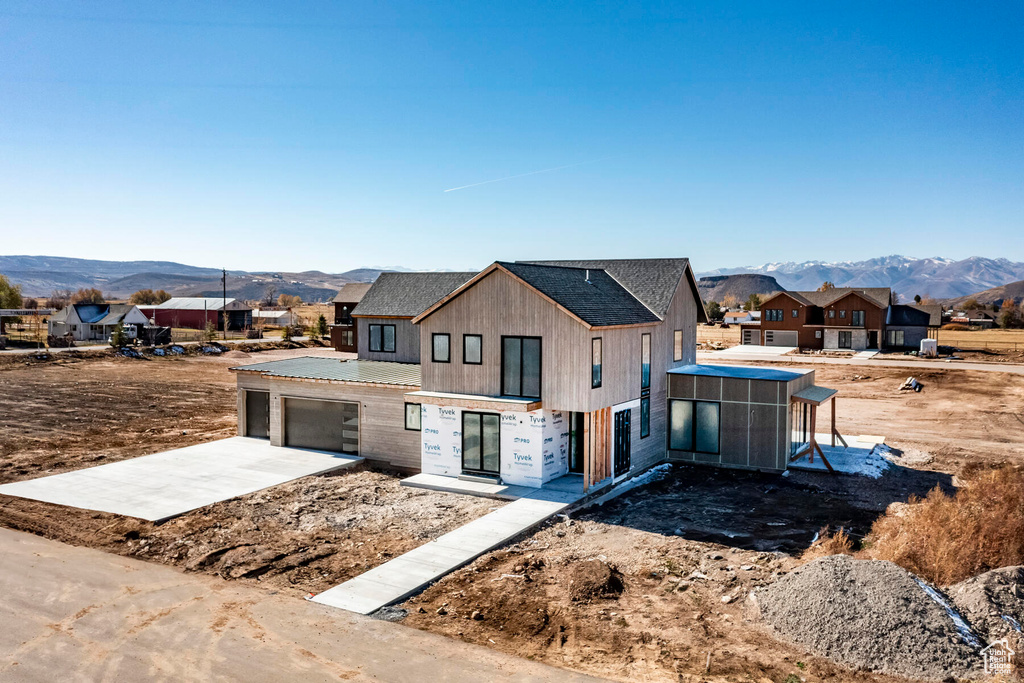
(946, 539)
(828, 543)
(955, 327)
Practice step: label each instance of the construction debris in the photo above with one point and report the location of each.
(911, 384)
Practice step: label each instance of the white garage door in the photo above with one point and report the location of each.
(751, 337)
(781, 338)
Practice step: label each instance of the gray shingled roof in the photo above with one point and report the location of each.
(320, 368)
(906, 315)
(406, 295)
(880, 295)
(599, 302)
(353, 292)
(652, 281)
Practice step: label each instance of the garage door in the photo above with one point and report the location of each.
(323, 425)
(752, 337)
(781, 338)
(257, 414)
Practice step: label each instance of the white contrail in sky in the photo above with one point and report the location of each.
(523, 175)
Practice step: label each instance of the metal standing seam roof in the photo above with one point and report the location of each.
(195, 303)
(406, 295)
(331, 369)
(815, 394)
(739, 372)
(592, 295)
(652, 281)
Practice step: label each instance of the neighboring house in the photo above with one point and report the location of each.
(195, 312)
(526, 372)
(96, 322)
(839, 318)
(344, 330)
(277, 318)
(737, 317)
(907, 324)
(985, 320)
(384, 315)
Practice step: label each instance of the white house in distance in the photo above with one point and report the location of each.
(737, 317)
(275, 318)
(95, 322)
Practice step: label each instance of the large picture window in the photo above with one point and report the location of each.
(441, 351)
(595, 362)
(382, 338)
(472, 349)
(520, 366)
(645, 361)
(858, 318)
(694, 426)
(896, 337)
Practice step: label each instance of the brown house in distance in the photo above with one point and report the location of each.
(343, 331)
(839, 318)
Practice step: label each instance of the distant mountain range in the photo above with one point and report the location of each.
(995, 295)
(939, 278)
(39, 276)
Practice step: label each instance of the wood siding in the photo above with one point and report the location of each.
(806, 335)
(407, 340)
(382, 433)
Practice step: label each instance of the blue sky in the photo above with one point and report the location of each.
(308, 135)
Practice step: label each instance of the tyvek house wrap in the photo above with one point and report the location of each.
(534, 445)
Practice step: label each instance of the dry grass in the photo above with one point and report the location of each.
(946, 539)
(829, 543)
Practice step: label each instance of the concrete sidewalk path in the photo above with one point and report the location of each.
(407, 574)
(78, 614)
(163, 485)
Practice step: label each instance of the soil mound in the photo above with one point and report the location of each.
(869, 614)
(993, 602)
(594, 579)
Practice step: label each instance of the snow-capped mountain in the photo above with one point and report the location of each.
(939, 278)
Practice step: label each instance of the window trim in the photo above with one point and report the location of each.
(469, 362)
(645, 424)
(540, 365)
(407, 427)
(596, 343)
(394, 337)
(433, 347)
(645, 339)
(693, 425)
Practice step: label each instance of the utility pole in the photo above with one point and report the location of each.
(224, 303)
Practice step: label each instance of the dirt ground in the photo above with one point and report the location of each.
(673, 560)
(305, 536)
(689, 549)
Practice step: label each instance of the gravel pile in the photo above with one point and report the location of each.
(868, 615)
(993, 602)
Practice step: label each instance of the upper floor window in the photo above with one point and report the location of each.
(832, 313)
(520, 366)
(773, 314)
(858, 317)
(382, 338)
(842, 314)
(796, 313)
(677, 345)
(343, 316)
(472, 349)
(595, 362)
(440, 348)
(645, 361)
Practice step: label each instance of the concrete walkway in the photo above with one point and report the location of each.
(408, 574)
(78, 614)
(163, 485)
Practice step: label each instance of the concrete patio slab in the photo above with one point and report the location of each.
(408, 574)
(164, 485)
(864, 456)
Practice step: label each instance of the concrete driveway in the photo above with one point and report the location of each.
(164, 485)
(752, 351)
(78, 614)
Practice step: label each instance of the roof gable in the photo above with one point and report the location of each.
(352, 293)
(406, 295)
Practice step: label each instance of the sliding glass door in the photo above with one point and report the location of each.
(480, 443)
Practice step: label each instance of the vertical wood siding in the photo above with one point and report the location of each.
(407, 340)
